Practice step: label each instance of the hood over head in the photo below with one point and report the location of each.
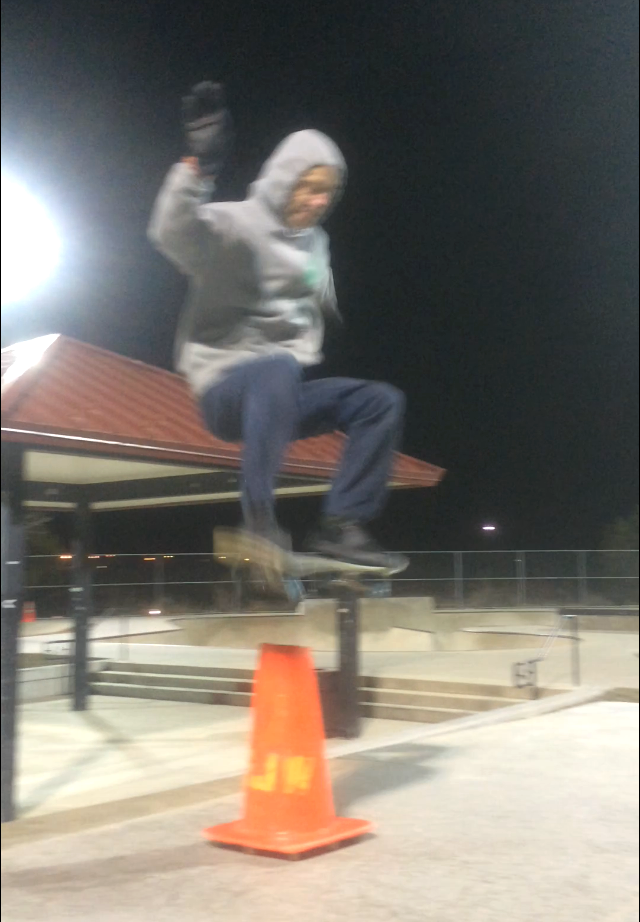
(299, 152)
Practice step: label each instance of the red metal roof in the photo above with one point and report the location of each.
(58, 393)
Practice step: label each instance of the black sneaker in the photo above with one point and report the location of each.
(347, 541)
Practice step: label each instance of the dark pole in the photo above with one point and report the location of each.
(521, 575)
(582, 577)
(348, 716)
(81, 603)
(158, 584)
(575, 648)
(13, 538)
(458, 578)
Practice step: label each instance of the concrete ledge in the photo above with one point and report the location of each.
(516, 712)
(498, 637)
(41, 682)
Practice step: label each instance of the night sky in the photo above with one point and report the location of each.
(485, 252)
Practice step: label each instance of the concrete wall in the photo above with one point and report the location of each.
(387, 625)
(41, 682)
(314, 627)
(622, 620)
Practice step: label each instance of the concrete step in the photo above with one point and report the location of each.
(389, 697)
(425, 715)
(153, 678)
(165, 669)
(163, 693)
(454, 702)
(390, 711)
(455, 688)
(398, 683)
(390, 704)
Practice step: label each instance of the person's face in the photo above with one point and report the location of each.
(311, 197)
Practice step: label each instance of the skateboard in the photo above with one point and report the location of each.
(266, 561)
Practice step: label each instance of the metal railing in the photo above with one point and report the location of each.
(525, 673)
(196, 583)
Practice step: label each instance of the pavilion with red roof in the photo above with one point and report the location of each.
(129, 435)
(86, 430)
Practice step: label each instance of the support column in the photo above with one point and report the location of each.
(81, 603)
(458, 578)
(13, 546)
(158, 584)
(348, 684)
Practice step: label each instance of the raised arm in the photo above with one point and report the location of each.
(178, 227)
(179, 224)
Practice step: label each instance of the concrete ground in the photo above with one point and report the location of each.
(526, 821)
(129, 747)
(125, 748)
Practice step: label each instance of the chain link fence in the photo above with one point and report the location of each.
(140, 584)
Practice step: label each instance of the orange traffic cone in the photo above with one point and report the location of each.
(28, 612)
(288, 800)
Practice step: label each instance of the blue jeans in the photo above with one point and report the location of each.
(266, 404)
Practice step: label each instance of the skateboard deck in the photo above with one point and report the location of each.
(236, 548)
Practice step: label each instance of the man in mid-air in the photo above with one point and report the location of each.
(260, 291)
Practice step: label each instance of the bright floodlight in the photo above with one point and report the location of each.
(30, 244)
(488, 527)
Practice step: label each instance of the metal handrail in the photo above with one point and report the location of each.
(550, 640)
(525, 673)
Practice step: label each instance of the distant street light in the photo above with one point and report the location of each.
(30, 243)
(489, 528)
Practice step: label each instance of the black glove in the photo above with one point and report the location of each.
(208, 126)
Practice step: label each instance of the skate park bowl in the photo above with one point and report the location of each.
(386, 625)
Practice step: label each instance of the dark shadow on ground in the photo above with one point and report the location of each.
(111, 738)
(387, 769)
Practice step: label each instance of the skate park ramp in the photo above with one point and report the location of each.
(386, 625)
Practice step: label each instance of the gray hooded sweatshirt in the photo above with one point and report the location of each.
(256, 287)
